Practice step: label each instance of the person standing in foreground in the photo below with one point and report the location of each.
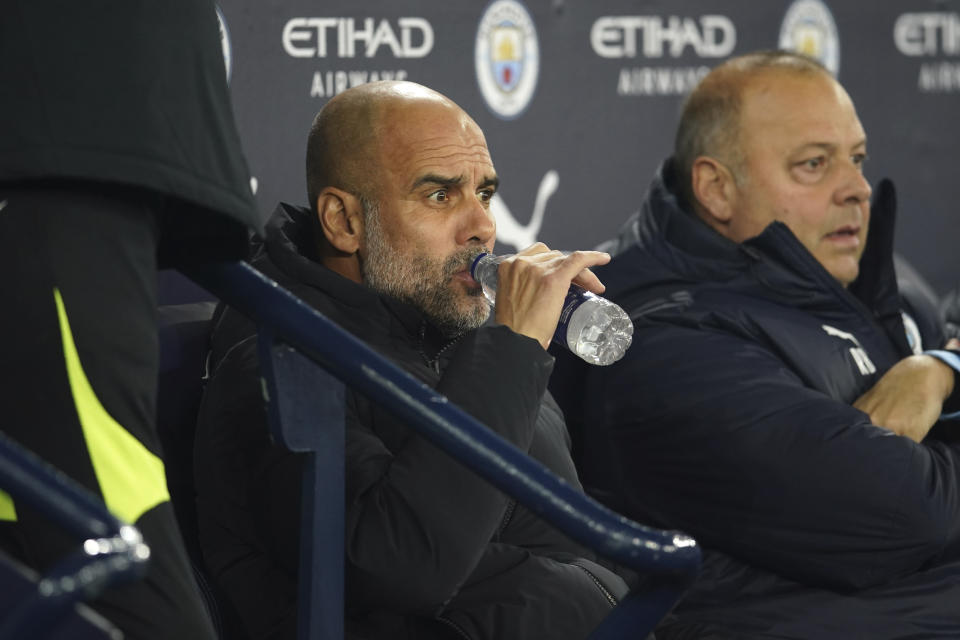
(777, 402)
(400, 182)
(117, 150)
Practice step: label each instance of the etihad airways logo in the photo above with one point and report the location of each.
(927, 34)
(351, 37)
(932, 37)
(653, 38)
(710, 36)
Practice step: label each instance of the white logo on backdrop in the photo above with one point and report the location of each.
(350, 37)
(511, 232)
(652, 36)
(225, 44)
(507, 58)
(927, 34)
(808, 28)
(326, 84)
(329, 37)
(931, 35)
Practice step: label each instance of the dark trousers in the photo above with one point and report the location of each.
(78, 354)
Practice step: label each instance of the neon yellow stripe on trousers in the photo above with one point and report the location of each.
(131, 477)
(7, 511)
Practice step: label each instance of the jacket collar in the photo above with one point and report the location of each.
(290, 242)
(692, 251)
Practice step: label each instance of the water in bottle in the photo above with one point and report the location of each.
(592, 327)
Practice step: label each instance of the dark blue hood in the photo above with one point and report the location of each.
(670, 248)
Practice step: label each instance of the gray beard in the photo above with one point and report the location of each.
(422, 282)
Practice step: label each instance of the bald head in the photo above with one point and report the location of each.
(343, 144)
(401, 179)
(387, 154)
(710, 122)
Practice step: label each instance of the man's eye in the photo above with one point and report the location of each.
(859, 159)
(813, 163)
(485, 195)
(440, 195)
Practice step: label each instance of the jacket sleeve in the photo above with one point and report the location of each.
(714, 436)
(417, 520)
(919, 307)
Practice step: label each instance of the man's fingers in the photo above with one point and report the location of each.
(533, 284)
(589, 281)
(571, 267)
(952, 343)
(584, 277)
(534, 249)
(578, 261)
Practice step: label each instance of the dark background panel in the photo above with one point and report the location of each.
(600, 136)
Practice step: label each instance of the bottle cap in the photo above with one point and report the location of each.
(476, 261)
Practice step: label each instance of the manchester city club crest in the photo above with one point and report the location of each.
(507, 58)
(808, 28)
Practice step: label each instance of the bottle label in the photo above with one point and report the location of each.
(571, 303)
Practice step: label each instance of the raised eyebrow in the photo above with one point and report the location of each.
(453, 181)
(487, 183)
(438, 180)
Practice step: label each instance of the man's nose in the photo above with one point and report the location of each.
(855, 188)
(478, 224)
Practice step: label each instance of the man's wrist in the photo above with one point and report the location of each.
(951, 360)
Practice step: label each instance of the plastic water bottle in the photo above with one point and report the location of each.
(592, 327)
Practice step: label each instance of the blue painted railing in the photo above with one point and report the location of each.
(294, 339)
(294, 336)
(109, 551)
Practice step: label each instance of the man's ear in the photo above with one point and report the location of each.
(714, 189)
(341, 218)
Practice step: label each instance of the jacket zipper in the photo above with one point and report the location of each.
(507, 515)
(609, 596)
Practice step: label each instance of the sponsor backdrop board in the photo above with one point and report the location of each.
(579, 98)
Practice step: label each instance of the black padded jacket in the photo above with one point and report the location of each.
(431, 549)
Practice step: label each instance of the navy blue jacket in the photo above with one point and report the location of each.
(730, 418)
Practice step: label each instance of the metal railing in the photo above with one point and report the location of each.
(110, 550)
(295, 338)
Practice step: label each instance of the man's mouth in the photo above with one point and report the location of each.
(462, 272)
(847, 234)
(465, 276)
